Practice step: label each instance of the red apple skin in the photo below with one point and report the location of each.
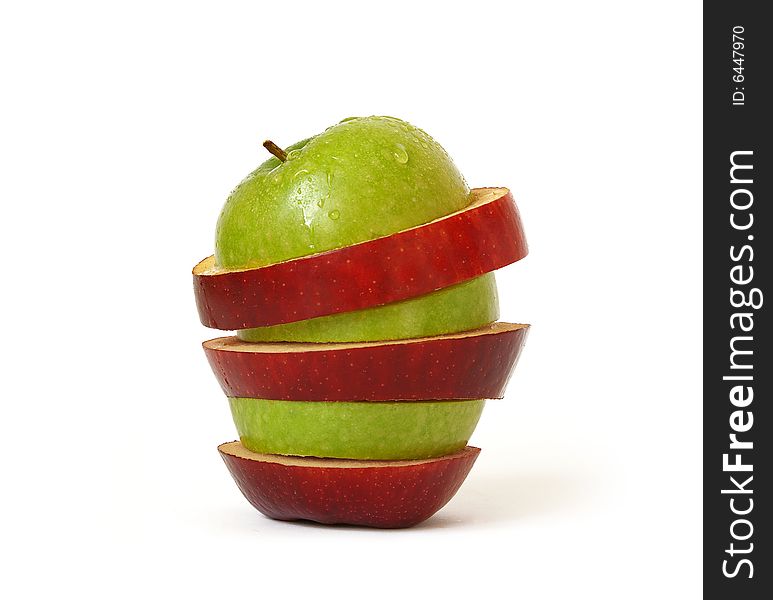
(409, 263)
(473, 365)
(384, 496)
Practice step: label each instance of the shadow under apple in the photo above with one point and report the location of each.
(490, 499)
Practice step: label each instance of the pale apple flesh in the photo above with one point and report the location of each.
(355, 430)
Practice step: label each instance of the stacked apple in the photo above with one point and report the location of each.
(357, 268)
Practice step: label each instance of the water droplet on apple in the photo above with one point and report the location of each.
(293, 154)
(400, 154)
(321, 201)
(348, 119)
(334, 214)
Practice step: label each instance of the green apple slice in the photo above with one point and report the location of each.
(358, 180)
(356, 430)
(461, 307)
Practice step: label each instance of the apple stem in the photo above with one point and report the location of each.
(275, 150)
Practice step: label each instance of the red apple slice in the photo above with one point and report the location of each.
(469, 365)
(386, 494)
(481, 238)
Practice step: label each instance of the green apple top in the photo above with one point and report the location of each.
(361, 179)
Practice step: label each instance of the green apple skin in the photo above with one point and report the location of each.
(461, 307)
(356, 430)
(364, 178)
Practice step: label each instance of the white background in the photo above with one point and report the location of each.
(124, 127)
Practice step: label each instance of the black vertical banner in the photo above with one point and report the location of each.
(737, 269)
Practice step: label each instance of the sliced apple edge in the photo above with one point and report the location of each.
(481, 196)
